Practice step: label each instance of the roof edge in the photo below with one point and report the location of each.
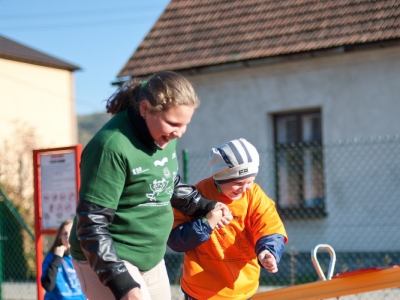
(64, 66)
(276, 59)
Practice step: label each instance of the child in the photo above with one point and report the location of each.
(58, 274)
(224, 263)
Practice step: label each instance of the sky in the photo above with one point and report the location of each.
(97, 36)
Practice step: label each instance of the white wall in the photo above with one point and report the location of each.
(359, 94)
(359, 97)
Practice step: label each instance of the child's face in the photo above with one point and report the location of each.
(235, 189)
(65, 235)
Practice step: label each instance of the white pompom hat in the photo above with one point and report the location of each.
(237, 159)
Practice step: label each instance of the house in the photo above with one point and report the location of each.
(314, 85)
(36, 91)
(37, 111)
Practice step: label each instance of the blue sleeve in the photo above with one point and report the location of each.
(189, 235)
(274, 243)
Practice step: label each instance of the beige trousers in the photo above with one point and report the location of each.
(153, 283)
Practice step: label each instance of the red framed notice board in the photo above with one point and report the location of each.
(56, 185)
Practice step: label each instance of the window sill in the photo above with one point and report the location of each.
(302, 213)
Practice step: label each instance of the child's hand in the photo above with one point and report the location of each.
(60, 250)
(213, 217)
(268, 261)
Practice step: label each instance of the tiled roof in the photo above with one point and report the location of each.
(15, 51)
(198, 33)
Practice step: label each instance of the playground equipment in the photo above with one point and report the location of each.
(348, 283)
(316, 264)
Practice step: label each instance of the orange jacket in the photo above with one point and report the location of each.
(226, 265)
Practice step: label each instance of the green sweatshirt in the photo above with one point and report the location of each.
(119, 172)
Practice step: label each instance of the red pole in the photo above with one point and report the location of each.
(39, 231)
(38, 224)
(78, 153)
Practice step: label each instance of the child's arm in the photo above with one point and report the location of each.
(50, 270)
(269, 250)
(189, 235)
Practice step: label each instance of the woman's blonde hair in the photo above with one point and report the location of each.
(162, 90)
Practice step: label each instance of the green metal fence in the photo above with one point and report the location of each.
(345, 194)
(16, 259)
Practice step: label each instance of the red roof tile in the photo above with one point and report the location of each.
(198, 33)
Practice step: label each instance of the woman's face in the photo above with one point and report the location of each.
(235, 189)
(65, 235)
(167, 125)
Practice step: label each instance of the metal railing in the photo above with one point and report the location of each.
(347, 195)
(15, 258)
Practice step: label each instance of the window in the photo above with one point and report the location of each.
(299, 164)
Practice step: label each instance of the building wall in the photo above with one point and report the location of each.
(358, 94)
(39, 97)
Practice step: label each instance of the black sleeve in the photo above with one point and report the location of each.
(93, 222)
(48, 280)
(187, 199)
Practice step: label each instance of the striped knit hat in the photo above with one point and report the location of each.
(237, 159)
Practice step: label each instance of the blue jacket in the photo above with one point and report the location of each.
(59, 279)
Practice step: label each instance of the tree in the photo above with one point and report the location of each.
(16, 182)
(88, 125)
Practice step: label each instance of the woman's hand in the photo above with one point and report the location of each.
(214, 217)
(224, 208)
(220, 216)
(268, 261)
(60, 250)
(133, 294)
(226, 215)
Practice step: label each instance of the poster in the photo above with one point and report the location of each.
(58, 188)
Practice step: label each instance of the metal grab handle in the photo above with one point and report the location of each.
(317, 265)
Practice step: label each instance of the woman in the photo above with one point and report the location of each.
(58, 274)
(128, 177)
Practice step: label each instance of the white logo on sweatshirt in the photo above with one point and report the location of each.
(157, 187)
(138, 170)
(161, 162)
